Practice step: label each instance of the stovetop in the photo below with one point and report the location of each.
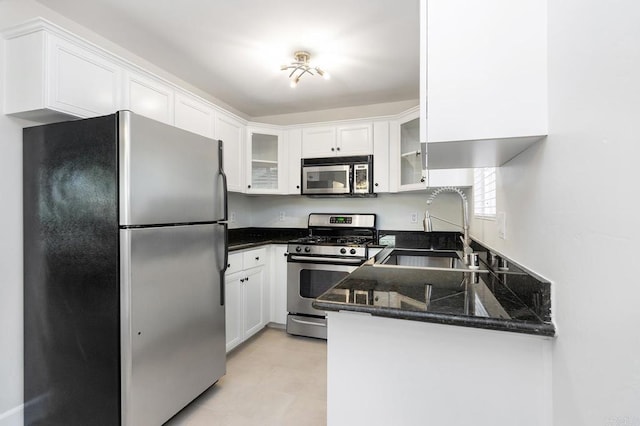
(337, 235)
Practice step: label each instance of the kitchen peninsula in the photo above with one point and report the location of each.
(450, 346)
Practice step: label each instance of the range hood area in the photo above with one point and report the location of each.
(474, 153)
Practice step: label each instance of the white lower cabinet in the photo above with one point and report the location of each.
(246, 290)
(278, 284)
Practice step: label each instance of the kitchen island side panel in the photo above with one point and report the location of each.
(420, 373)
(71, 273)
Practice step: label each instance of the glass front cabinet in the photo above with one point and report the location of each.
(266, 157)
(406, 163)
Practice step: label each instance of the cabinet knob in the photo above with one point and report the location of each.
(257, 257)
(286, 254)
(248, 186)
(241, 280)
(375, 184)
(333, 149)
(338, 148)
(246, 279)
(297, 186)
(228, 265)
(422, 180)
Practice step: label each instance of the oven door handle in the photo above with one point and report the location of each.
(319, 324)
(337, 261)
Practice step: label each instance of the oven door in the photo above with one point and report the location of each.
(326, 179)
(306, 280)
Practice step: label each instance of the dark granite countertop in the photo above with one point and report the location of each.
(244, 238)
(511, 300)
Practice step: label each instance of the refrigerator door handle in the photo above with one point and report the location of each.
(225, 264)
(224, 183)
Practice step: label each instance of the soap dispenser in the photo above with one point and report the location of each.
(428, 226)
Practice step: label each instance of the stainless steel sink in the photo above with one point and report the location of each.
(425, 259)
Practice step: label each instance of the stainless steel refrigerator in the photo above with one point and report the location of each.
(125, 246)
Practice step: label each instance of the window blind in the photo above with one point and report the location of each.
(484, 193)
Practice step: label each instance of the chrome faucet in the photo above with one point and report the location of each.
(465, 215)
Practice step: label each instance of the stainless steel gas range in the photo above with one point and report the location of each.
(336, 245)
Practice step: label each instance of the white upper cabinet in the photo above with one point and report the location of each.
(406, 173)
(148, 96)
(194, 115)
(355, 139)
(294, 151)
(231, 132)
(381, 156)
(483, 80)
(340, 140)
(266, 169)
(405, 167)
(48, 78)
(318, 142)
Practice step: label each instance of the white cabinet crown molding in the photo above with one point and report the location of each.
(41, 24)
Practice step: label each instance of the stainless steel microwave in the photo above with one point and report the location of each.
(338, 176)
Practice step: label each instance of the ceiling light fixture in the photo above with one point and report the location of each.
(300, 66)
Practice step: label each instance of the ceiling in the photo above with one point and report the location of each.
(233, 49)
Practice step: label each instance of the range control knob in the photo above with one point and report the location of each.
(352, 251)
(298, 249)
(307, 249)
(343, 250)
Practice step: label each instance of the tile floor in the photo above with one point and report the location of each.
(272, 379)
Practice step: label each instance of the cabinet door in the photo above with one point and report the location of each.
(193, 115)
(476, 88)
(318, 142)
(256, 257)
(355, 140)
(231, 132)
(381, 156)
(411, 175)
(254, 301)
(234, 312)
(81, 83)
(266, 173)
(278, 284)
(294, 149)
(148, 96)
(405, 154)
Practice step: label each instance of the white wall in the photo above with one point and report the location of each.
(572, 210)
(394, 210)
(362, 111)
(10, 260)
(10, 270)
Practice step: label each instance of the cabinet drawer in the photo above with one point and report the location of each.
(255, 257)
(235, 263)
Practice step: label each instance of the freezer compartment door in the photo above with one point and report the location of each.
(167, 175)
(173, 331)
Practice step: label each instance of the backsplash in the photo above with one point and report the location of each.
(394, 211)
